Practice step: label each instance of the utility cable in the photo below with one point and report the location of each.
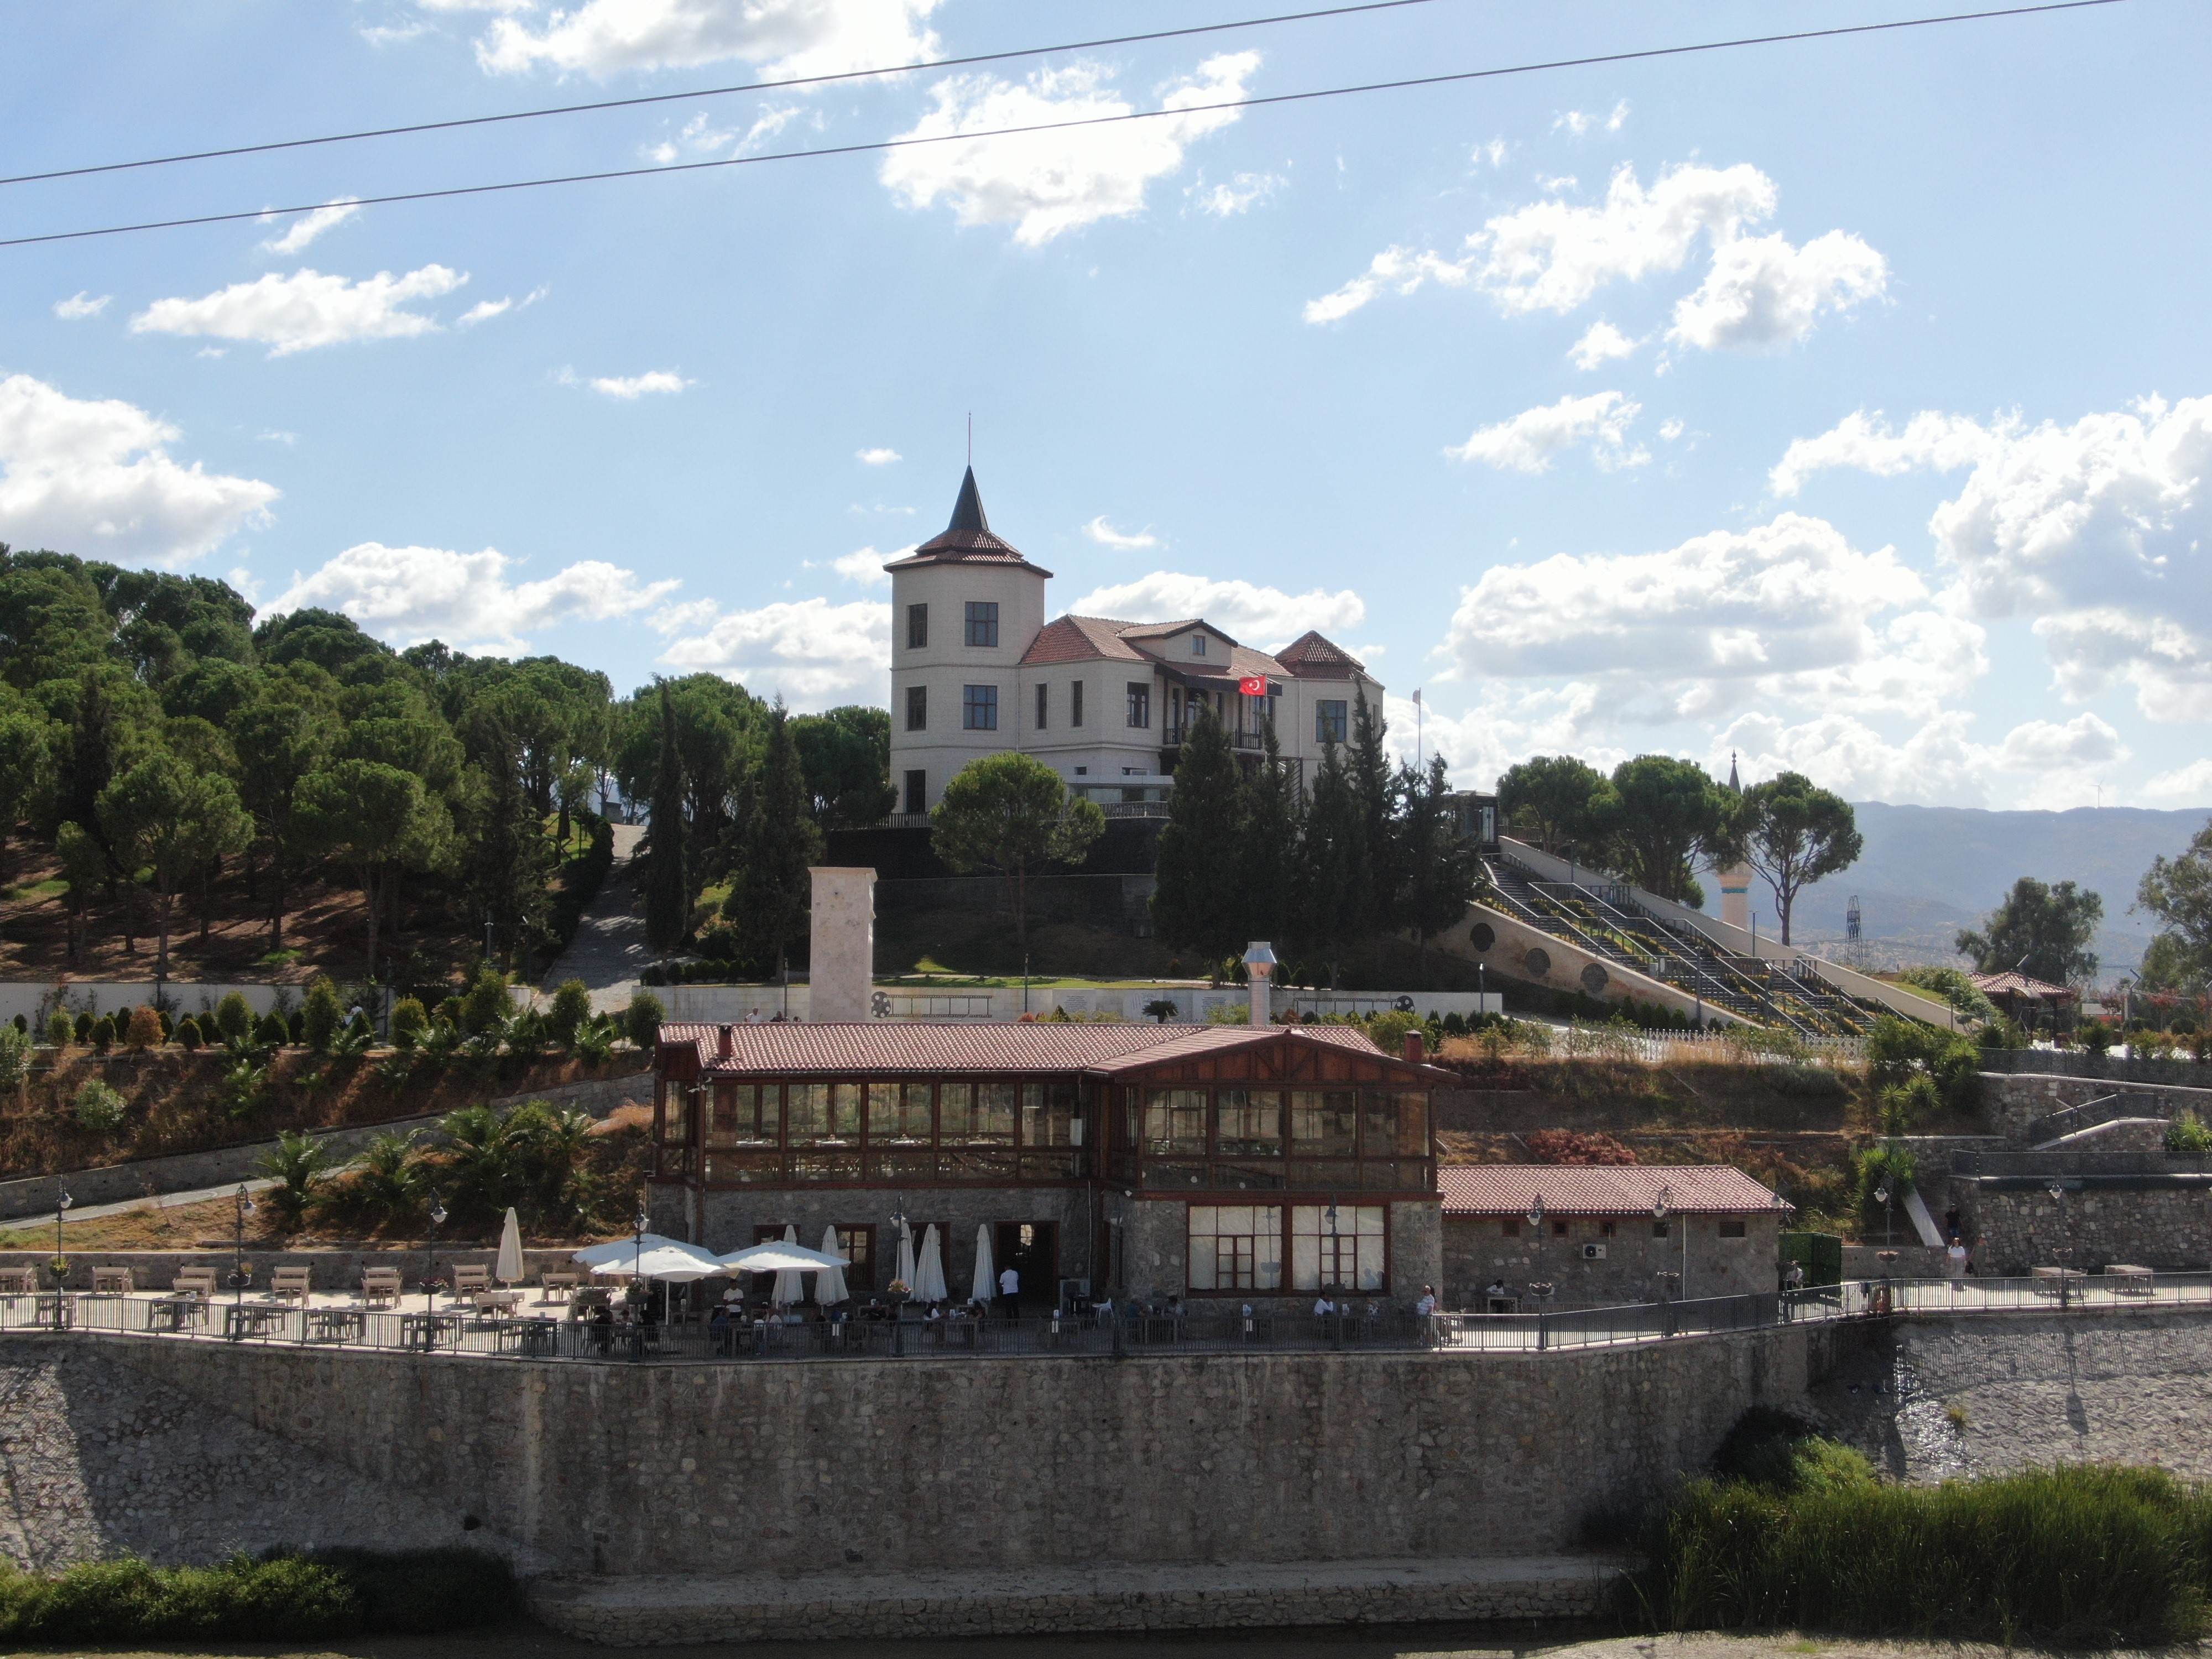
(718, 92)
(885, 145)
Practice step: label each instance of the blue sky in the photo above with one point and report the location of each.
(1843, 403)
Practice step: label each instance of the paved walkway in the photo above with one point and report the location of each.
(607, 951)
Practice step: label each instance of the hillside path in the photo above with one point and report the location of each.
(608, 951)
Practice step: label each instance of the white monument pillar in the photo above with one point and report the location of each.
(1736, 896)
(1260, 964)
(841, 954)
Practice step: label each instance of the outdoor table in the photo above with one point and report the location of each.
(422, 1330)
(173, 1312)
(336, 1324)
(2057, 1281)
(252, 1319)
(2124, 1279)
(502, 1302)
(524, 1336)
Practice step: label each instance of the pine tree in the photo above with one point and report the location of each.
(1378, 902)
(1442, 865)
(1330, 893)
(1197, 901)
(667, 891)
(769, 898)
(1268, 856)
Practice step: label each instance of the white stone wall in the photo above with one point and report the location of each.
(841, 943)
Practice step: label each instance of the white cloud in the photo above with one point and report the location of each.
(1400, 269)
(789, 38)
(410, 594)
(700, 138)
(816, 654)
(1762, 293)
(380, 35)
(308, 226)
(305, 309)
(94, 478)
(1262, 616)
(1046, 183)
(1791, 596)
(1494, 152)
(484, 310)
(877, 456)
(1938, 763)
(2192, 784)
(477, 5)
(1579, 122)
(866, 566)
(1528, 442)
(2097, 531)
(630, 387)
(2044, 745)
(1106, 536)
(1240, 193)
(80, 306)
(1600, 344)
(1671, 428)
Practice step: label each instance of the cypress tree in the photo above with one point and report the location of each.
(1197, 901)
(1268, 854)
(1376, 905)
(667, 892)
(1443, 866)
(1329, 890)
(769, 899)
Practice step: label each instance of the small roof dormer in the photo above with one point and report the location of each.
(968, 538)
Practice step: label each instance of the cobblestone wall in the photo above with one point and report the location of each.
(1476, 1251)
(951, 1464)
(2163, 1222)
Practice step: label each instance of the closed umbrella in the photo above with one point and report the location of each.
(906, 1261)
(929, 1272)
(986, 1282)
(788, 1289)
(829, 1282)
(508, 1268)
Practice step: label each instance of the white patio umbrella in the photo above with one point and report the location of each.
(986, 1282)
(929, 1272)
(788, 1289)
(508, 1268)
(829, 1282)
(591, 1254)
(773, 1258)
(905, 1259)
(676, 1262)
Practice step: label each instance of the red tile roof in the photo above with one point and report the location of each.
(1611, 1189)
(2019, 985)
(1080, 639)
(1001, 1047)
(968, 538)
(1311, 657)
(1090, 639)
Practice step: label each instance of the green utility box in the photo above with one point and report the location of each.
(1822, 1255)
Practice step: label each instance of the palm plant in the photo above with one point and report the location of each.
(595, 1041)
(297, 1163)
(483, 1158)
(244, 1085)
(389, 1183)
(441, 1041)
(526, 1035)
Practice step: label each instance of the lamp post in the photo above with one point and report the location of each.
(242, 1205)
(1881, 1196)
(1662, 1208)
(430, 1271)
(1541, 1289)
(61, 1262)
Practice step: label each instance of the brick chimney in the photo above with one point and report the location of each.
(1416, 1050)
(722, 1043)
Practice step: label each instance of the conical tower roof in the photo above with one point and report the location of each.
(968, 537)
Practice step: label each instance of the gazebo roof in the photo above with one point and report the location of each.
(2011, 984)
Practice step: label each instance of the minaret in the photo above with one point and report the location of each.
(1735, 881)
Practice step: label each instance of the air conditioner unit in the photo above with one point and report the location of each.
(1593, 1252)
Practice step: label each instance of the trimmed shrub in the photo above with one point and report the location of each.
(322, 1015)
(145, 1029)
(59, 1029)
(188, 1033)
(14, 1057)
(295, 1027)
(410, 1020)
(641, 1021)
(84, 1024)
(572, 1006)
(97, 1108)
(487, 1005)
(271, 1030)
(233, 1014)
(103, 1033)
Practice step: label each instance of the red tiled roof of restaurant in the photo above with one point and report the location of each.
(1609, 1189)
(2018, 985)
(900, 1046)
(1161, 630)
(1311, 656)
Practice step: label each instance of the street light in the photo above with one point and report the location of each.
(242, 1203)
(61, 1262)
(1881, 1196)
(1662, 1207)
(1541, 1289)
(430, 1271)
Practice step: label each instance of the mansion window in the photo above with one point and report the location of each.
(1236, 1247)
(983, 621)
(917, 708)
(1075, 703)
(917, 627)
(978, 707)
(1731, 1226)
(1329, 722)
(1140, 702)
(1041, 708)
(1198, 645)
(917, 791)
(1338, 1248)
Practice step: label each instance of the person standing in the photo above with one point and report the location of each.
(1010, 1293)
(1955, 1261)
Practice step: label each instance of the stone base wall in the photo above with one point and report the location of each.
(1476, 1251)
(332, 1270)
(2161, 1222)
(984, 1465)
(2012, 1101)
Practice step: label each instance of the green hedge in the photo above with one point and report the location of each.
(284, 1596)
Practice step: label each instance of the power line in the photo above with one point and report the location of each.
(715, 92)
(883, 145)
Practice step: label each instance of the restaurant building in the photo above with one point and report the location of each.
(1216, 1163)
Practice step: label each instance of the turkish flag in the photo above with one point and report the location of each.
(1253, 685)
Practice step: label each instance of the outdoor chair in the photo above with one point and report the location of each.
(110, 1281)
(469, 1280)
(18, 1281)
(379, 1286)
(290, 1281)
(197, 1282)
(550, 1281)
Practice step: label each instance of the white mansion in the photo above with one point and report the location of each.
(975, 669)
